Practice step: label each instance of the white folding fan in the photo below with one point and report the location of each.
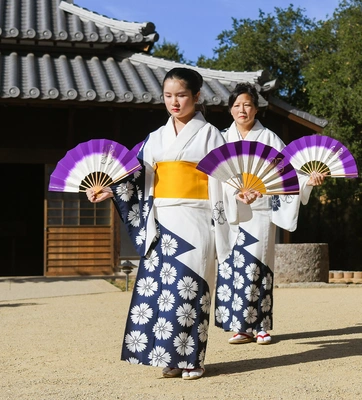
(249, 165)
(95, 164)
(321, 154)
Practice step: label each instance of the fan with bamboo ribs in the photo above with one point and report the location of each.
(251, 166)
(321, 154)
(95, 164)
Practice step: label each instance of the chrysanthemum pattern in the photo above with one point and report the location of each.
(277, 200)
(169, 313)
(218, 213)
(244, 299)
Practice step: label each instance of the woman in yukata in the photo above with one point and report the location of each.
(168, 209)
(244, 289)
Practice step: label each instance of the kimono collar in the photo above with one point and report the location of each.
(252, 135)
(174, 144)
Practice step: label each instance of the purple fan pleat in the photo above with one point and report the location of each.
(350, 168)
(290, 185)
(290, 180)
(265, 152)
(290, 150)
(57, 183)
(129, 161)
(135, 149)
(210, 163)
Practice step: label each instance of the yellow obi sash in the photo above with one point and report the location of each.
(180, 180)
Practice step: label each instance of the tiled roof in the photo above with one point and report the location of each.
(53, 50)
(62, 21)
(125, 77)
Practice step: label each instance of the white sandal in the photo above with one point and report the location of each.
(241, 337)
(263, 338)
(190, 374)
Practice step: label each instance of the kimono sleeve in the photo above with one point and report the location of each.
(136, 210)
(131, 208)
(285, 208)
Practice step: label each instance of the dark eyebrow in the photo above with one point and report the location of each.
(181, 92)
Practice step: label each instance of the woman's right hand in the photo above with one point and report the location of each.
(98, 196)
(316, 179)
(249, 196)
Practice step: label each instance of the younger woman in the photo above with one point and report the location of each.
(168, 210)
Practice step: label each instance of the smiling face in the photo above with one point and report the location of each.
(179, 101)
(243, 111)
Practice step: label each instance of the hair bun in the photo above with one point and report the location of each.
(193, 79)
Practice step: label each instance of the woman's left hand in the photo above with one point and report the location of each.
(316, 179)
(97, 197)
(248, 196)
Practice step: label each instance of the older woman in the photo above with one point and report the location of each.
(244, 291)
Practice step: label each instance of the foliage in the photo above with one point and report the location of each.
(334, 88)
(169, 51)
(275, 43)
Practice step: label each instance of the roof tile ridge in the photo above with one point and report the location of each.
(103, 20)
(252, 77)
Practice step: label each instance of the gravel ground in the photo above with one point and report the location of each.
(68, 348)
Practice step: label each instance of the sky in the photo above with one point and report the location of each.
(195, 24)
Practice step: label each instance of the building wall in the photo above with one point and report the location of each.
(36, 136)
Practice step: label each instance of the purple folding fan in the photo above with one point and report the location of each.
(321, 154)
(94, 164)
(251, 166)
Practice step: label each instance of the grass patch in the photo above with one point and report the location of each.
(121, 284)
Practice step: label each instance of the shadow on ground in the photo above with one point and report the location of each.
(341, 347)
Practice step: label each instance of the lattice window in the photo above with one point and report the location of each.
(73, 209)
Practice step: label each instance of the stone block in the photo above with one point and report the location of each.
(301, 262)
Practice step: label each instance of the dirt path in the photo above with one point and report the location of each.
(68, 348)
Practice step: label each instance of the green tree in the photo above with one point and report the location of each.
(168, 51)
(333, 76)
(275, 43)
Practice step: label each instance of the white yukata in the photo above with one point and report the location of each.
(169, 313)
(244, 290)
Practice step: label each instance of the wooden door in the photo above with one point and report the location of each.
(80, 236)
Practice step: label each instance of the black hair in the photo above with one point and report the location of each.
(242, 88)
(192, 78)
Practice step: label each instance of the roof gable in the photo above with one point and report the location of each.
(61, 22)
